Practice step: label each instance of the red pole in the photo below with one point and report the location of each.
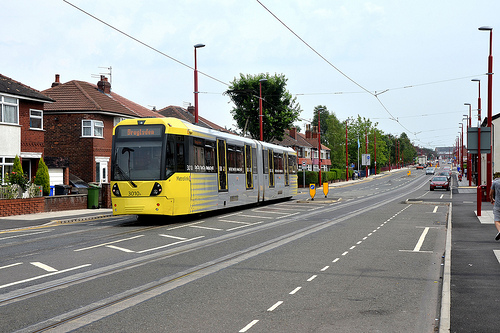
(469, 156)
(375, 148)
(366, 152)
(346, 161)
(319, 147)
(489, 165)
(196, 84)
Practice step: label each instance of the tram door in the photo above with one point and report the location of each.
(271, 168)
(285, 162)
(248, 167)
(222, 163)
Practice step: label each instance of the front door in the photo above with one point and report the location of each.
(222, 164)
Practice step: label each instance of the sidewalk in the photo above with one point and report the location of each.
(475, 264)
(65, 216)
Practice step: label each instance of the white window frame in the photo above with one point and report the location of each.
(36, 117)
(3, 104)
(94, 125)
(6, 165)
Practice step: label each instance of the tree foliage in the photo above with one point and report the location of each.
(279, 108)
(42, 177)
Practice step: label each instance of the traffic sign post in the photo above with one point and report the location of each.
(304, 173)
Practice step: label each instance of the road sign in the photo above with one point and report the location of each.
(365, 159)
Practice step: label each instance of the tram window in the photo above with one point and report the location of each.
(292, 164)
(181, 160)
(278, 163)
(265, 160)
(254, 160)
(199, 158)
(210, 157)
(235, 159)
(169, 160)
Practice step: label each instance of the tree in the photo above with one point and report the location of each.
(324, 114)
(42, 177)
(279, 108)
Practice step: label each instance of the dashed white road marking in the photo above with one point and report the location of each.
(272, 308)
(171, 244)
(43, 266)
(312, 278)
(336, 259)
(206, 228)
(104, 244)
(170, 236)
(325, 268)
(24, 235)
(435, 209)
(11, 265)
(120, 248)
(249, 326)
(294, 291)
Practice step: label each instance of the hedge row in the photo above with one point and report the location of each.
(312, 177)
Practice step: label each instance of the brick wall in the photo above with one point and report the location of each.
(22, 206)
(65, 202)
(31, 140)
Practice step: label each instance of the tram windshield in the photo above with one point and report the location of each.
(137, 160)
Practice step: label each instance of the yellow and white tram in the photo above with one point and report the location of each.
(166, 166)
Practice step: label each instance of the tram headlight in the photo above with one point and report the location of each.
(116, 190)
(156, 189)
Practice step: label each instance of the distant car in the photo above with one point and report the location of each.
(419, 167)
(439, 182)
(446, 174)
(430, 171)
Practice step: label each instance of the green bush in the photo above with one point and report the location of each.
(42, 177)
(17, 177)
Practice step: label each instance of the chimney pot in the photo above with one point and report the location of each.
(104, 85)
(56, 82)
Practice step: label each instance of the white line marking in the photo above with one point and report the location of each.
(312, 278)
(421, 240)
(12, 265)
(435, 209)
(42, 276)
(359, 242)
(230, 221)
(243, 226)
(272, 308)
(346, 252)
(224, 216)
(246, 328)
(206, 228)
(120, 248)
(268, 211)
(170, 236)
(352, 247)
(294, 291)
(281, 217)
(104, 244)
(497, 254)
(24, 235)
(185, 225)
(441, 197)
(163, 246)
(258, 217)
(44, 267)
(364, 238)
(336, 259)
(325, 268)
(370, 234)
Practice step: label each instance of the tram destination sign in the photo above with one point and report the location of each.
(149, 131)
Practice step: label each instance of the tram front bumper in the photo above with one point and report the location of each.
(142, 206)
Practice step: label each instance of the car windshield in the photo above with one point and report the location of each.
(439, 179)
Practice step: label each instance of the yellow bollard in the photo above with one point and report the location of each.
(325, 189)
(312, 191)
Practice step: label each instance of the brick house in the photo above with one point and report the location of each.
(79, 128)
(306, 147)
(22, 127)
(188, 115)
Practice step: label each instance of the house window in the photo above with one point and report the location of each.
(6, 165)
(92, 128)
(36, 119)
(9, 113)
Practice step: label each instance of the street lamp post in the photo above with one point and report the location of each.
(469, 156)
(366, 153)
(346, 161)
(260, 108)
(319, 146)
(489, 166)
(461, 151)
(478, 181)
(196, 84)
(375, 148)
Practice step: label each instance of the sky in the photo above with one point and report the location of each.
(405, 65)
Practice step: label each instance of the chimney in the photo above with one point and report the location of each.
(315, 132)
(56, 82)
(308, 131)
(293, 133)
(103, 85)
(190, 109)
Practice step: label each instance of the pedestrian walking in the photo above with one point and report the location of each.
(495, 200)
